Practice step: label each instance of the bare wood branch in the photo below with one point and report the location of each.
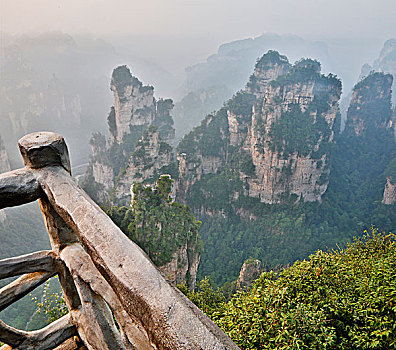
(170, 319)
(18, 187)
(44, 339)
(22, 286)
(38, 261)
(81, 266)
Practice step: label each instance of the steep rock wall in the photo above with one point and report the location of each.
(274, 135)
(151, 154)
(389, 196)
(112, 167)
(369, 108)
(4, 167)
(287, 136)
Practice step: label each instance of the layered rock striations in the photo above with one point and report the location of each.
(137, 119)
(272, 139)
(146, 163)
(138, 151)
(292, 126)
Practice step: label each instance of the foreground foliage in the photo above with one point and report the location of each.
(345, 299)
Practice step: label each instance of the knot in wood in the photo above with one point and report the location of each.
(41, 149)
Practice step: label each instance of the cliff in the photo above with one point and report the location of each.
(4, 167)
(250, 271)
(166, 230)
(4, 162)
(137, 119)
(370, 106)
(386, 62)
(273, 137)
(125, 172)
(389, 196)
(148, 160)
(292, 126)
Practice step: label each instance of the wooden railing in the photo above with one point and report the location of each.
(103, 274)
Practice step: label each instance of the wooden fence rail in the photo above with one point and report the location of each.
(103, 274)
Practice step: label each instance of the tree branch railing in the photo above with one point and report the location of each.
(104, 275)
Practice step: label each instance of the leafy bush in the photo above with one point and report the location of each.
(344, 299)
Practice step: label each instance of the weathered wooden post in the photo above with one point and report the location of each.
(99, 268)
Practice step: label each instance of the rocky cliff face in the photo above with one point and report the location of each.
(274, 135)
(139, 151)
(134, 104)
(250, 271)
(369, 109)
(370, 132)
(136, 119)
(386, 62)
(150, 155)
(4, 167)
(4, 162)
(291, 127)
(389, 196)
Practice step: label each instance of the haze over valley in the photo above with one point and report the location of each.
(229, 140)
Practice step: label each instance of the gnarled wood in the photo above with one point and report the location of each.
(89, 312)
(170, 319)
(106, 268)
(22, 286)
(81, 266)
(18, 187)
(42, 149)
(44, 339)
(38, 261)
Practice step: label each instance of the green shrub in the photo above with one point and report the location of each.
(344, 299)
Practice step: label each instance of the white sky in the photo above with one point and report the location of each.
(221, 19)
(189, 30)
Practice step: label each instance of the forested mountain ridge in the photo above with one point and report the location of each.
(342, 187)
(269, 174)
(273, 136)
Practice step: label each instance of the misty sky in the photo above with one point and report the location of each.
(204, 24)
(222, 19)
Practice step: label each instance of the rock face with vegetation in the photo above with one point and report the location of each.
(273, 136)
(166, 230)
(124, 171)
(386, 62)
(140, 143)
(369, 109)
(4, 167)
(272, 177)
(250, 271)
(369, 121)
(4, 162)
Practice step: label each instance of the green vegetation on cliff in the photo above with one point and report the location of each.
(237, 227)
(156, 223)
